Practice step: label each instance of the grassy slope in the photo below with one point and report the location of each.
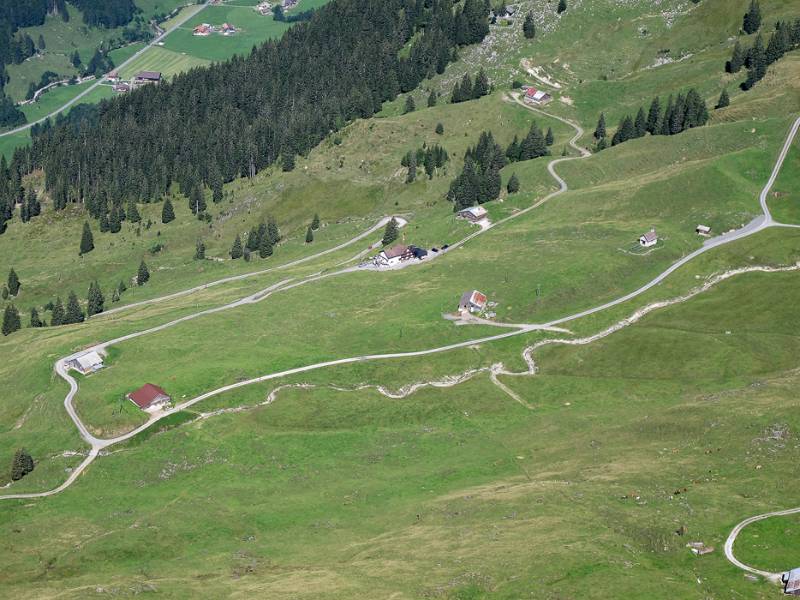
(441, 494)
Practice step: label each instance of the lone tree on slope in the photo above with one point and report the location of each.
(143, 275)
(236, 249)
(21, 465)
(74, 312)
(11, 321)
(309, 235)
(391, 232)
(562, 6)
(13, 283)
(410, 106)
(529, 27)
(87, 239)
(315, 222)
(724, 100)
(167, 212)
(513, 184)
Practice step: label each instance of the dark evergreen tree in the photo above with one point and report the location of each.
(287, 164)
(625, 131)
(74, 313)
(236, 249)
(529, 27)
(409, 105)
(600, 130)
(265, 248)
(562, 6)
(752, 18)
(734, 65)
(272, 231)
(87, 240)
(315, 222)
(253, 240)
(21, 464)
(95, 300)
(197, 200)
(654, 116)
(513, 184)
(439, 129)
(200, 250)
(512, 152)
(167, 212)
(640, 124)
(432, 99)
(481, 86)
(13, 283)
(412, 169)
(11, 321)
(143, 274)
(114, 220)
(534, 144)
(35, 320)
(391, 232)
(756, 64)
(133, 212)
(57, 315)
(548, 138)
(724, 100)
(309, 235)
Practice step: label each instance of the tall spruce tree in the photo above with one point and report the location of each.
(11, 321)
(21, 464)
(409, 105)
(752, 18)
(265, 248)
(640, 124)
(309, 235)
(133, 212)
(315, 222)
(167, 212)
(529, 27)
(724, 99)
(57, 315)
(654, 116)
(200, 250)
(143, 274)
(272, 231)
(197, 200)
(481, 87)
(236, 249)
(600, 130)
(512, 187)
(562, 6)
(13, 283)
(549, 138)
(432, 99)
(390, 232)
(734, 65)
(36, 321)
(74, 312)
(87, 239)
(95, 300)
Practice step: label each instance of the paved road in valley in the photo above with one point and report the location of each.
(98, 444)
(94, 86)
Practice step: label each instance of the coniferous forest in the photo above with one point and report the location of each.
(211, 125)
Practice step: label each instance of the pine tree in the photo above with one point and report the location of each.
(734, 65)
(412, 169)
(122, 288)
(252, 240)
(143, 274)
(752, 18)
(114, 221)
(626, 131)
(654, 116)
(481, 87)
(600, 130)
(391, 232)
(74, 313)
(265, 249)
(513, 184)
(11, 321)
(432, 99)
(640, 124)
(35, 320)
(272, 231)
(21, 464)
(200, 250)
(562, 6)
(309, 235)
(167, 212)
(529, 27)
(87, 239)
(409, 106)
(439, 129)
(95, 300)
(315, 222)
(197, 200)
(57, 315)
(548, 138)
(236, 249)
(757, 64)
(724, 99)
(13, 283)
(133, 212)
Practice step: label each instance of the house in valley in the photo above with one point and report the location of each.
(227, 29)
(147, 78)
(534, 96)
(264, 8)
(113, 77)
(86, 363)
(473, 213)
(390, 257)
(472, 302)
(202, 30)
(703, 230)
(150, 398)
(648, 239)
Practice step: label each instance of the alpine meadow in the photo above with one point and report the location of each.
(438, 299)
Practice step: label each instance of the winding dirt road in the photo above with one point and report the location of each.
(98, 444)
